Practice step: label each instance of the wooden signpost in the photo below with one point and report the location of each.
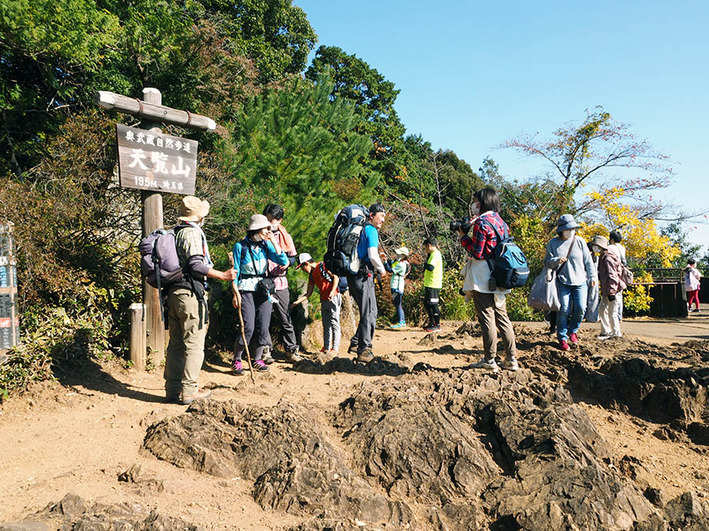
(154, 163)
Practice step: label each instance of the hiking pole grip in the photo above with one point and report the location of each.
(241, 328)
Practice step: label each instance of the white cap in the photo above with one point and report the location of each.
(302, 258)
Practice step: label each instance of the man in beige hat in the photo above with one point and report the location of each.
(187, 305)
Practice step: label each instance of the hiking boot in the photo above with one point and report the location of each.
(398, 326)
(267, 358)
(172, 399)
(433, 328)
(563, 345)
(574, 338)
(488, 365)
(237, 368)
(293, 357)
(510, 364)
(201, 393)
(352, 349)
(260, 366)
(365, 356)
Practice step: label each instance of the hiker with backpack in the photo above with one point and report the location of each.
(481, 241)
(254, 290)
(330, 300)
(399, 269)
(361, 283)
(432, 284)
(187, 310)
(281, 306)
(569, 256)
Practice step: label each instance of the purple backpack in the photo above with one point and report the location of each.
(159, 263)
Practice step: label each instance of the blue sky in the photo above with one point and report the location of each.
(474, 74)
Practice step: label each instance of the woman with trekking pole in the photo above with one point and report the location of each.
(253, 290)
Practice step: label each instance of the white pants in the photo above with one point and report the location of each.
(608, 315)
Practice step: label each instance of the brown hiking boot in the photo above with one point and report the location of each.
(365, 356)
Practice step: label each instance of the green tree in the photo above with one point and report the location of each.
(373, 97)
(46, 55)
(274, 34)
(296, 147)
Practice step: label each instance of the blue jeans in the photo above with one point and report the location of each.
(573, 306)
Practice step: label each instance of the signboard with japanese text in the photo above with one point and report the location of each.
(156, 162)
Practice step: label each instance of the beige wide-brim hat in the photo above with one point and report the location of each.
(601, 241)
(193, 209)
(258, 222)
(402, 251)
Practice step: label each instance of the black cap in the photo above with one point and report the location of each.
(376, 207)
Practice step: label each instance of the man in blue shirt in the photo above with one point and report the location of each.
(362, 284)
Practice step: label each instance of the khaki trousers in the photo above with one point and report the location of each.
(185, 352)
(493, 317)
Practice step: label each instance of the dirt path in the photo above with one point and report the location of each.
(79, 437)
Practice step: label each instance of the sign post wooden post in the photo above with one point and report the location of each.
(152, 112)
(152, 220)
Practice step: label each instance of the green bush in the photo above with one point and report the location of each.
(55, 343)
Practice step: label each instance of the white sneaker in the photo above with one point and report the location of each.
(488, 365)
(603, 337)
(510, 364)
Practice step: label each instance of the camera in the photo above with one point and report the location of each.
(463, 223)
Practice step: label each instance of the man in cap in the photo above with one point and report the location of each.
(362, 284)
(187, 305)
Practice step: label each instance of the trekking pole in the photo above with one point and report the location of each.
(241, 323)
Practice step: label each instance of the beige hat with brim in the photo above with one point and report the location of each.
(258, 222)
(402, 251)
(601, 241)
(193, 209)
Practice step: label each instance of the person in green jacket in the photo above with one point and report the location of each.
(432, 283)
(399, 270)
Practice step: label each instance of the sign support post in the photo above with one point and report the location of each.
(152, 112)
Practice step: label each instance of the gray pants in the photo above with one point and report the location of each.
(331, 322)
(256, 312)
(362, 288)
(185, 352)
(281, 308)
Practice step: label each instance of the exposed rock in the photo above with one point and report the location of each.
(294, 468)
(72, 513)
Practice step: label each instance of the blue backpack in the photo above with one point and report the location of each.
(508, 265)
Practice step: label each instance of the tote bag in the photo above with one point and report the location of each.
(544, 294)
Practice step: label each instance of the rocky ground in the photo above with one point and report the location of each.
(611, 435)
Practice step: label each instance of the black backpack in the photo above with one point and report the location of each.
(342, 240)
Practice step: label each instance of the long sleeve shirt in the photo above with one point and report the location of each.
(251, 262)
(610, 271)
(578, 269)
(484, 238)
